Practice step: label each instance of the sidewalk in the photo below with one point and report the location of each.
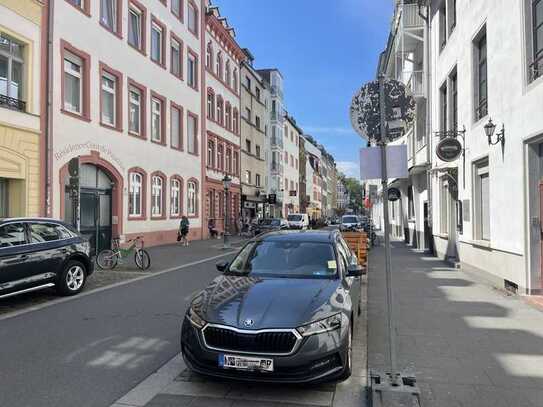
(468, 344)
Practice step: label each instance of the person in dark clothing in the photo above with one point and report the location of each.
(211, 228)
(183, 231)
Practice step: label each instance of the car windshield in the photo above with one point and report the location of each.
(294, 218)
(286, 259)
(349, 219)
(271, 222)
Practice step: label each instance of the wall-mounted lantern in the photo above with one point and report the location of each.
(490, 128)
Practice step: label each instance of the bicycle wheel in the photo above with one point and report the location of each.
(142, 259)
(107, 259)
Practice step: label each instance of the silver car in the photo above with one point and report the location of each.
(284, 310)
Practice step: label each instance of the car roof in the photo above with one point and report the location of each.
(31, 219)
(319, 236)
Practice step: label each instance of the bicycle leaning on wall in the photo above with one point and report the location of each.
(108, 259)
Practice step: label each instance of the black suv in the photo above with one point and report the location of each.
(37, 253)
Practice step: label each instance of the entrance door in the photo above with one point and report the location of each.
(95, 221)
(426, 227)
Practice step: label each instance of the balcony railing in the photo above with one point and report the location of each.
(536, 68)
(416, 83)
(12, 103)
(410, 15)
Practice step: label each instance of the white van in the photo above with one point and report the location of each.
(298, 221)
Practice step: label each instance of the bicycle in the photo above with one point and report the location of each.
(108, 259)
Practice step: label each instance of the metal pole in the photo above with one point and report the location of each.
(226, 244)
(388, 266)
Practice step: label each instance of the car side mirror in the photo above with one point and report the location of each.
(355, 270)
(222, 266)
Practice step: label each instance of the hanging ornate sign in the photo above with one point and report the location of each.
(449, 149)
(394, 194)
(365, 111)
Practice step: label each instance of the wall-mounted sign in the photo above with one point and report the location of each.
(272, 198)
(448, 149)
(292, 193)
(393, 194)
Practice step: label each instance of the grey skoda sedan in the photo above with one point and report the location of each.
(283, 310)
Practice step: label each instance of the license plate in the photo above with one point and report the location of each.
(245, 363)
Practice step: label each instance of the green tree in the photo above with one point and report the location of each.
(356, 193)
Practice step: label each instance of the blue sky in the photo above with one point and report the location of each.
(325, 50)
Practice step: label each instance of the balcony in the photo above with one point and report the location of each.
(409, 14)
(276, 91)
(277, 142)
(416, 83)
(12, 103)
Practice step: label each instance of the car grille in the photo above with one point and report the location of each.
(274, 342)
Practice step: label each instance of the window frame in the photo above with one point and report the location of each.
(210, 157)
(84, 8)
(139, 8)
(175, 107)
(143, 109)
(480, 106)
(179, 180)
(219, 107)
(143, 192)
(181, 14)
(481, 169)
(162, 127)
(158, 175)
(195, 81)
(117, 125)
(175, 39)
(67, 48)
(155, 22)
(194, 211)
(193, 116)
(117, 30)
(196, 18)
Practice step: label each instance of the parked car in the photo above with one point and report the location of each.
(298, 221)
(37, 253)
(284, 310)
(269, 225)
(349, 223)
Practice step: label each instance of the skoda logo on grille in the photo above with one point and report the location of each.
(248, 323)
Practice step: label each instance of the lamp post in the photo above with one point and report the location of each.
(226, 181)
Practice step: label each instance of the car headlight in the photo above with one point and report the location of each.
(331, 323)
(195, 319)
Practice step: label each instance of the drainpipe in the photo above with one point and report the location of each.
(48, 133)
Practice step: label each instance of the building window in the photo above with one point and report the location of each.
(136, 27)
(109, 90)
(235, 121)
(192, 70)
(228, 160)
(235, 164)
(453, 81)
(248, 114)
(82, 5)
(157, 43)
(157, 115)
(257, 90)
(536, 23)
(248, 83)
(176, 126)
(452, 16)
(482, 200)
(257, 151)
(135, 195)
(257, 180)
(235, 80)
(443, 25)
(228, 73)
(220, 157)
(410, 203)
(212, 206)
(177, 7)
(192, 133)
(209, 56)
(136, 109)
(248, 146)
(175, 197)
(481, 101)
(228, 116)
(192, 198)
(211, 154)
(257, 122)
(73, 83)
(109, 15)
(176, 57)
(12, 72)
(192, 17)
(157, 195)
(210, 105)
(218, 69)
(220, 109)
(443, 107)
(248, 177)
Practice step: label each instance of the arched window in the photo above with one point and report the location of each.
(229, 160)
(220, 157)
(157, 196)
(220, 110)
(228, 73)
(235, 79)
(210, 105)
(176, 197)
(228, 116)
(211, 153)
(192, 198)
(136, 194)
(209, 56)
(219, 65)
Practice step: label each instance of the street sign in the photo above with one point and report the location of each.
(449, 149)
(272, 198)
(393, 194)
(371, 167)
(365, 111)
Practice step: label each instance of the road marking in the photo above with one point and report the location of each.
(120, 283)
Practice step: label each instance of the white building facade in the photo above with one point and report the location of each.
(126, 97)
(291, 153)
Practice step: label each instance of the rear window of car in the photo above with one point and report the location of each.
(47, 232)
(286, 259)
(294, 218)
(12, 234)
(349, 219)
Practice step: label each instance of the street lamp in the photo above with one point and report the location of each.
(226, 182)
(490, 128)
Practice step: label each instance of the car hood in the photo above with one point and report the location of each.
(267, 302)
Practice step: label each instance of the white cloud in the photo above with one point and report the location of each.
(349, 168)
(329, 130)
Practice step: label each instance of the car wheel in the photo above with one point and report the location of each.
(72, 279)
(348, 365)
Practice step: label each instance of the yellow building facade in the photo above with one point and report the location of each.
(20, 107)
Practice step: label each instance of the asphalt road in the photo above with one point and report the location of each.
(92, 349)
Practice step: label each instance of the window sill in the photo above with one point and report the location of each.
(137, 218)
(480, 243)
(194, 153)
(160, 64)
(177, 76)
(194, 88)
(76, 115)
(136, 135)
(110, 127)
(115, 33)
(141, 50)
(161, 217)
(180, 149)
(442, 235)
(160, 143)
(176, 216)
(80, 9)
(193, 216)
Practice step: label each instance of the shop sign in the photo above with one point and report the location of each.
(448, 149)
(393, 194)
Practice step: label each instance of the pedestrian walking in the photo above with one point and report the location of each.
(183, 233)
(213, 233)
